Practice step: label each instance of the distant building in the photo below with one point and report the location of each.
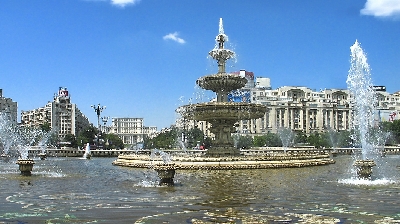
(8, 107)
(300, 108)
(61, 114)
(131, 130)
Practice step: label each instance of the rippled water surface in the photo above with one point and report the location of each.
(75, 190)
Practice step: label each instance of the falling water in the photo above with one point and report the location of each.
(287, 137)
(364, 100)
(166, 158)
(87, 153)
(45, 140)
(7, 133)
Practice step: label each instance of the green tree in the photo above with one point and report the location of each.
(165, 139)
(114, 142)
(260, 141)
(193, 136)
(273, 140)
(300, 138)
(394, 129)
(71, 138)
(46, 127)
(244, 142)
(86, 135)
(318, 140)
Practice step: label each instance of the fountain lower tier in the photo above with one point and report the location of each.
(185, 162)
(223, 111)
(222, 116)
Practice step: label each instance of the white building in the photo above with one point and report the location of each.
(131, 130)
(300, 108)
(8, 107)
(61, 114)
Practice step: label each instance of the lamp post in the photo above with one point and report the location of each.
(98, 109)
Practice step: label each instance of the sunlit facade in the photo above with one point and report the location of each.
(131, 130)
(300, 108)
(60, 114)
(9, 107)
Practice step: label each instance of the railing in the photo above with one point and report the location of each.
(72, 152)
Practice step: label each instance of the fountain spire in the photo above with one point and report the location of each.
(222, 115)
(221, 26)
(219, 53)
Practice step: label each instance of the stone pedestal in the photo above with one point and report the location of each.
(166, 173)
(364, 168)
(25, 166)
(222, 151)
(87, 155)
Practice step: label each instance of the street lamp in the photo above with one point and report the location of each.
(98, 109)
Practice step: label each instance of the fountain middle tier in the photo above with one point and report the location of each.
(222, 84)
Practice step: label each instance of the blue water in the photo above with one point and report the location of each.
(75, 190)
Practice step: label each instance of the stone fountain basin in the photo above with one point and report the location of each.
(223, 110)
(227, 163)
(364, 163)
(224, 54)
(25, 162)
(222, 81)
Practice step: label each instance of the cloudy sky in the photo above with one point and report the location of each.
(141, 58)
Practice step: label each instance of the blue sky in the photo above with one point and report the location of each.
(142, 58)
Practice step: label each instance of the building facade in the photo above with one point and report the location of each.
(60, 114)
(131, 130)
(300, 109)
(9, 107)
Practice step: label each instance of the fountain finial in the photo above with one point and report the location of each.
(221, 37)
(219, 53)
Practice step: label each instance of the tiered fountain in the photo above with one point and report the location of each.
(222, 114)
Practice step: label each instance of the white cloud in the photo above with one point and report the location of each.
(174, 37)
(123, 3)
(381, 8)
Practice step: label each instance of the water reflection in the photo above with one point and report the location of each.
(73, 190)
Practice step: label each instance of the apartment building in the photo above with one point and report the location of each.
(61, 114)
(131, 130)
(9, 107)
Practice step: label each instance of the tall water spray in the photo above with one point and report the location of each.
(287, 137)
(364, 101)
(7, 133)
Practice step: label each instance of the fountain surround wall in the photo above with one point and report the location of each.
(222, 115)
